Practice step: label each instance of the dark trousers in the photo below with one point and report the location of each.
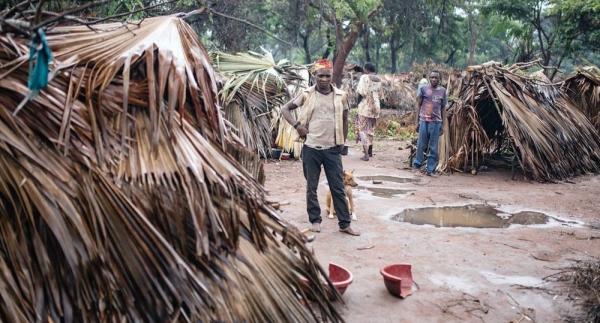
(312, 159)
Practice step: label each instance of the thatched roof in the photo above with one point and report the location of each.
(504, 111)
(583, 88)
(124, 195)
(254, 88)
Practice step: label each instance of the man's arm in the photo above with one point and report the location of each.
(286, 111)
(418, 107)
(287, 115)
(345, 122)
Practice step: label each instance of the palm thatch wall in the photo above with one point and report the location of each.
(254, 88)
(505, 113)
(285, 131)
(124, 196)
(583, 88)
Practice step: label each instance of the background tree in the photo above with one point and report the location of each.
(401, 22)
(475, 24)
(580, 21)
(539, 15)
(392, 34)
(347, 19)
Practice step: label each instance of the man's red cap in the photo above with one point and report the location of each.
(323, 63)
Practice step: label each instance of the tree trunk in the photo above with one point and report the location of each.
(340, 59)
(366, 45)
(471, 53)
(307, 58)
(329, 46)
(342, 53)
(450, 60)
(393, 56)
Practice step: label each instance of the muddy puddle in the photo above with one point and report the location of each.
(385, 178)
(384, 192)
(473, 216)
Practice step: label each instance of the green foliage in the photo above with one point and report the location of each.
(402, 32)
(580, 20)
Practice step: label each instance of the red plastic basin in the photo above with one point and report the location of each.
(398, 279)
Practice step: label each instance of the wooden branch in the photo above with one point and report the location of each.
(249, 24)
(38, 12)
(65, 13)
(374, 11)
(15, 9)
(97, 21)
(25, 27)
(325, 16)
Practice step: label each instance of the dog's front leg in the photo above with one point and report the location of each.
(351, 207)
(331, 214)
(330, 205)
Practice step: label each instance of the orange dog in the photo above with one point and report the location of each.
(349, 183)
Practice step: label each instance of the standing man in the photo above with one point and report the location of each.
(431, 116)
(323, 121)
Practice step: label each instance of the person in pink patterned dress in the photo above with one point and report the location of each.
(368, 90)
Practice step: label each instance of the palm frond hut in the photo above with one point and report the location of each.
(504, 112)
(583, 88)
(125, 197)
(254, 86)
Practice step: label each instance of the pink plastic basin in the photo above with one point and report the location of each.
(398, 279)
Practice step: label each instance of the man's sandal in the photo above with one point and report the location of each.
(350, 231)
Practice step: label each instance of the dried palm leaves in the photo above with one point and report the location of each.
(397, 91)
(285, 131)
(124, 196)
(504, 110)
(255, 85)
(583, 88)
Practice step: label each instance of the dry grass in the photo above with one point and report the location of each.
(585, 277)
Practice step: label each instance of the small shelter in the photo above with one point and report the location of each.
(583, 88)
(125, 196)
(505, 115)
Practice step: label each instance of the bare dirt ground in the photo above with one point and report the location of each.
(461, 274)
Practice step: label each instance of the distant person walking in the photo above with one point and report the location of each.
(323, 121)
(431, 116)
(424, 80)
(368, 90)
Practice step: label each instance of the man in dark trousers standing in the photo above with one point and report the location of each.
(431, 116)
(323, 122)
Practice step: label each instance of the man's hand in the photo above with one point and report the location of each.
(302, 131)
(442, 130)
